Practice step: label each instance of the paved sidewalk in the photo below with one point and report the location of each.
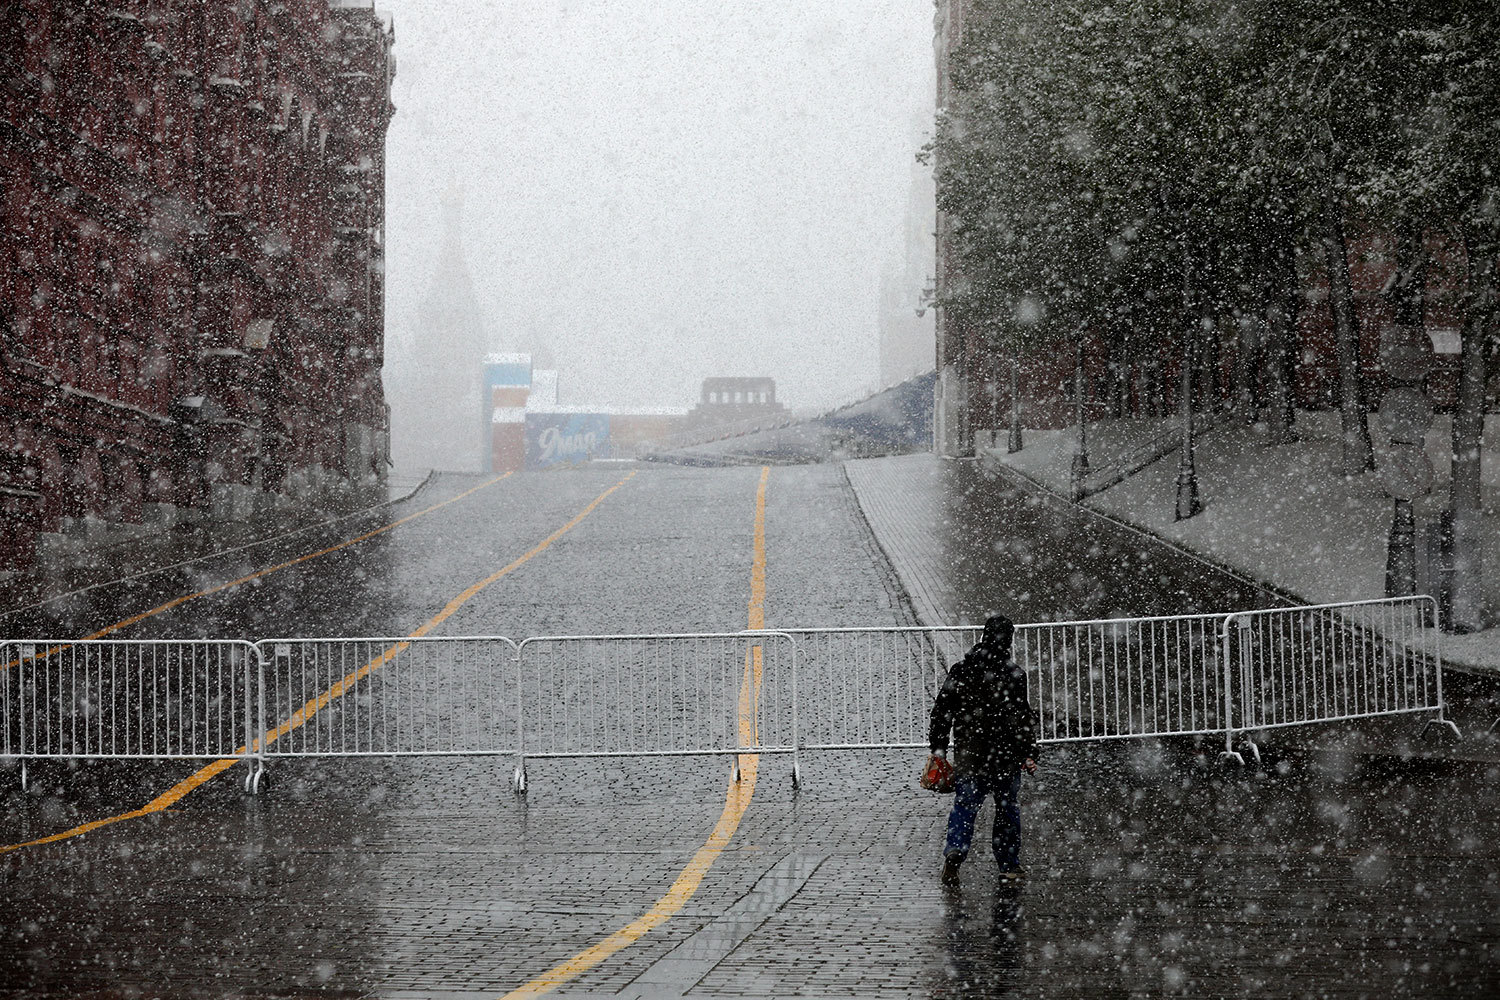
(904, 500)
(966, 539)
(165, 551)
(967, 542)
(1281, 515)
(1281, 518)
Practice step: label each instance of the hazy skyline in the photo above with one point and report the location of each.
(661, 191)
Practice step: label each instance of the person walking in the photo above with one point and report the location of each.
(983, 704)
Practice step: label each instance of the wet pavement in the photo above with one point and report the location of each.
(968, 542)
(1152, 872)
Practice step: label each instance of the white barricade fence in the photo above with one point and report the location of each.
(771, 691)
(1334, 663)
(104, 698)
(1122, 678)
(872, 688)
(1109, 679)
(429, 696)
(1185, 675)
(656, 695)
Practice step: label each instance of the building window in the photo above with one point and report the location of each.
(111, 487)
(72, 485)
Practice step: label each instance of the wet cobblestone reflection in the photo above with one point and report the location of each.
(1152, 872)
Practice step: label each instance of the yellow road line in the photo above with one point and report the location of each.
(302, 715)
(177, 601)
(736, 800)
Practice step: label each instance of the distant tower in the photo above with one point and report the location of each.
(906, 339)
(436, 382)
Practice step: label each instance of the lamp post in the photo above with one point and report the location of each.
(1013, 445)
(1028, 313)
(1187, 474)
(1080, 469)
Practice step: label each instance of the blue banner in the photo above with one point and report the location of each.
(562, 439)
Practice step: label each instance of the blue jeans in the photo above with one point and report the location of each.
(968, 795)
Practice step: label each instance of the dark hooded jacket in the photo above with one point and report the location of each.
(983, 702)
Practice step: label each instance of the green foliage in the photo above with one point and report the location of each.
(1110, 163)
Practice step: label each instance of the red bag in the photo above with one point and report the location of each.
(938, 775)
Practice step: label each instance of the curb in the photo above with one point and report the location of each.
(1288, 597)
(216, 553)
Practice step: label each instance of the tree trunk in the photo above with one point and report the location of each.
(1282, 297)
(1246, 364)
(1357, 454)
(1014, 441)
(1470, 605)
(1407, 289)
(1207, 375)
(1117, 374)
(1187, 504)
(1468, 416)
(1405, 293)
(1080, 469)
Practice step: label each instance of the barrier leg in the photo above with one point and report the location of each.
(256, 735)
(1229, 755)
(736, 775)
(254, 775)
(796, 771)
(1442, 720)
(518, 777)
(25, 778)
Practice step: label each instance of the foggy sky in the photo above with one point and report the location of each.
(662, 190)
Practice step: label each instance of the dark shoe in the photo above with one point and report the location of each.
(950, 869)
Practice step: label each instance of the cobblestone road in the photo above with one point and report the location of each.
(1151, 872)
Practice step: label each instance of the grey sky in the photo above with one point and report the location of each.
(662, 190)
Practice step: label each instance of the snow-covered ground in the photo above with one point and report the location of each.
(1282, 515)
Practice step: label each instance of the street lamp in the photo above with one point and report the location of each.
(1187, 474)
(1028, 314)
(1014, 444)
(1080, 469)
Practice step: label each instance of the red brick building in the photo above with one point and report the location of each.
(191, 262)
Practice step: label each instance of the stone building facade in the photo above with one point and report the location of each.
(191, 263)
(728, 399)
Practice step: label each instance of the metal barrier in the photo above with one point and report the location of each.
(392, 697)
(108, 698)
(1185, 675)
(1091, 680)
(769, 691)
(872, 688)
(1333, 663)
(656, 695)
(1123, 678)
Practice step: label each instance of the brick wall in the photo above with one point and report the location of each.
(190, 261)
